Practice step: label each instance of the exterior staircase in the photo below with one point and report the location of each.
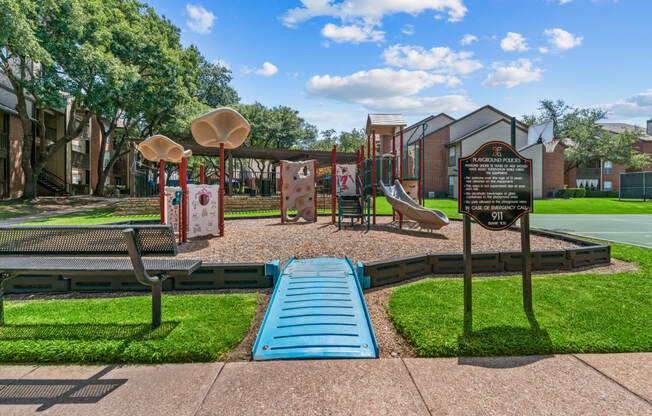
(52, 183)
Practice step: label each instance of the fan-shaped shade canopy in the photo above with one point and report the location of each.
(160, 147)
(223, 125)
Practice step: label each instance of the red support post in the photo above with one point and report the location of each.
(201, 174)
(183, 182)
(333, 179)
(393, 170)
(400, 216)
(314, 187)
(221, 203)
(161, 188)
(280, 168)
(357, 170)
(373, 174)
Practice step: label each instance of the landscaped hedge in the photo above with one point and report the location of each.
(571, 193)
(602, 194)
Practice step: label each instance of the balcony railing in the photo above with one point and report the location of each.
(588, 173)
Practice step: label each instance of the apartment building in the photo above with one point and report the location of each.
(448, 139)
(70, 170)
(603, 174)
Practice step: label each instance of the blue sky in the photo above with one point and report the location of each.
(336, 61)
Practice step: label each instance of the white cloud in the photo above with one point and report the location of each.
(638, 105)
(375, 83)
(439, 58)
(386, 89)
(371, 11)
(543, 49)
(514, 42)
(513, 74)
(408, 29)
(267, 70)
(420, 105)
(199, 19)
(564, 1)
(562, 39)
(352, 33)
(468, 39)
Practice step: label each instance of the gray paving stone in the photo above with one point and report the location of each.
(520, 385)
(324, 387)
(110, 390)
(632, 370)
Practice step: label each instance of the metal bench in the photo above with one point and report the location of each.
(85, 239)
(149, 272)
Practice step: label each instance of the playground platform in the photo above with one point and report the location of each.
(317, 311)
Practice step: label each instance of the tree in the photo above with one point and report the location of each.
(588, 141)
(345, 141)
(30, 31)
(277, 127)
(213, 87)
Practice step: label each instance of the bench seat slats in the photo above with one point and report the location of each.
(82, 240)
(85, 265)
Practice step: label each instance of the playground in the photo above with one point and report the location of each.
(307, 272)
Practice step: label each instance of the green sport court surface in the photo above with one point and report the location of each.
(628, 229)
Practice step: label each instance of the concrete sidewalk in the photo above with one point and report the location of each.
(564, 384)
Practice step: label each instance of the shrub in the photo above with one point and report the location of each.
(571, 193)
(602, 194)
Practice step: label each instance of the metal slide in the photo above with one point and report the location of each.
(404, 204)
(317, 311)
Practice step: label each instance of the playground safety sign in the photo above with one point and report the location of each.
(495, 185)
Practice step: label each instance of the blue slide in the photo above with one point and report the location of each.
(317, 311)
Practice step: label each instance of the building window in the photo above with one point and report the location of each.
(608, 186)
(107, 159)
(608, 168)
(451, 156)
(78, 146)
(451, 185)
(77, 176)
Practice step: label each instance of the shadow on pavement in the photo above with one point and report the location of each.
(48, 393)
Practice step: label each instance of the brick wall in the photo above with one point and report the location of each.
(553, 171)
(435, 169)
(16, 174)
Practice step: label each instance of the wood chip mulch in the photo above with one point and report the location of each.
(260, 240)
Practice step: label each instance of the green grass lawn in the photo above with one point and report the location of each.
(118, 330)
(449, 207)
(94, 216)
(11, 209)
(572, 314)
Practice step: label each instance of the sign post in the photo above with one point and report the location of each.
(495, 188)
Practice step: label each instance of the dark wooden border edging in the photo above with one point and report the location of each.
(391, 271)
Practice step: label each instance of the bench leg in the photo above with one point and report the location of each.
(156, 303)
